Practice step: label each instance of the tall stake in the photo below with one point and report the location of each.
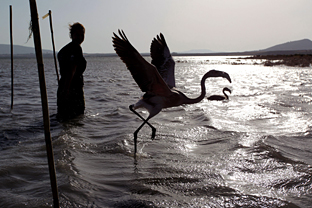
(11, 42)
(44, 100)
(52, 36)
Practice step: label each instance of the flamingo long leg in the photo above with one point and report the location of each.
(145, 121)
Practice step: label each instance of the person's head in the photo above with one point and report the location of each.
(77, 32)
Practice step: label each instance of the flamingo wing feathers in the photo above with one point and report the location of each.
(144, 73)
(162, 59)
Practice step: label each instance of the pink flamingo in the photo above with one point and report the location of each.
(156, 79)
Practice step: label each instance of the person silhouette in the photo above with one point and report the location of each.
(70, 95)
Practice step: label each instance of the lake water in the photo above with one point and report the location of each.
(254, 150)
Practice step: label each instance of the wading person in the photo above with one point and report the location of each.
(70, 96)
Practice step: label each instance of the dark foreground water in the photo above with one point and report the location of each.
(254, 150)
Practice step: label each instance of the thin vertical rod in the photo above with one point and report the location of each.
(11, 42)
(44, 100)
(52, 37)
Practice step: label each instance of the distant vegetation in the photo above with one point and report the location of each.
(299, 60)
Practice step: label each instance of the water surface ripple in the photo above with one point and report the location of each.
(251, 151)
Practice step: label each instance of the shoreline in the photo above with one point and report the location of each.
(287, 58)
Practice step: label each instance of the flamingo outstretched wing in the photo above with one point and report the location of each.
(144, 73)
(162, 59)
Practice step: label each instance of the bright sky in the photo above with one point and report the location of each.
(217, 25)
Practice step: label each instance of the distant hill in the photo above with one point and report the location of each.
(304, 44)
(17, 49)
(199, 51)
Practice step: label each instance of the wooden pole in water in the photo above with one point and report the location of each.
(44, 100)
(52, 37)
(11, 42)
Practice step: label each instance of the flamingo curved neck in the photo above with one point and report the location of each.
(202, 95)
(226, 96)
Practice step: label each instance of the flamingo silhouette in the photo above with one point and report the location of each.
(156, 79)
(219, 97)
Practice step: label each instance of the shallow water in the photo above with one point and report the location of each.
(253, 150)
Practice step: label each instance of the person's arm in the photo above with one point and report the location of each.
(70, 78)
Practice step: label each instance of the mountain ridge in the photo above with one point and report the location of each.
(304, 44)
(288, 47)
(5, 49)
